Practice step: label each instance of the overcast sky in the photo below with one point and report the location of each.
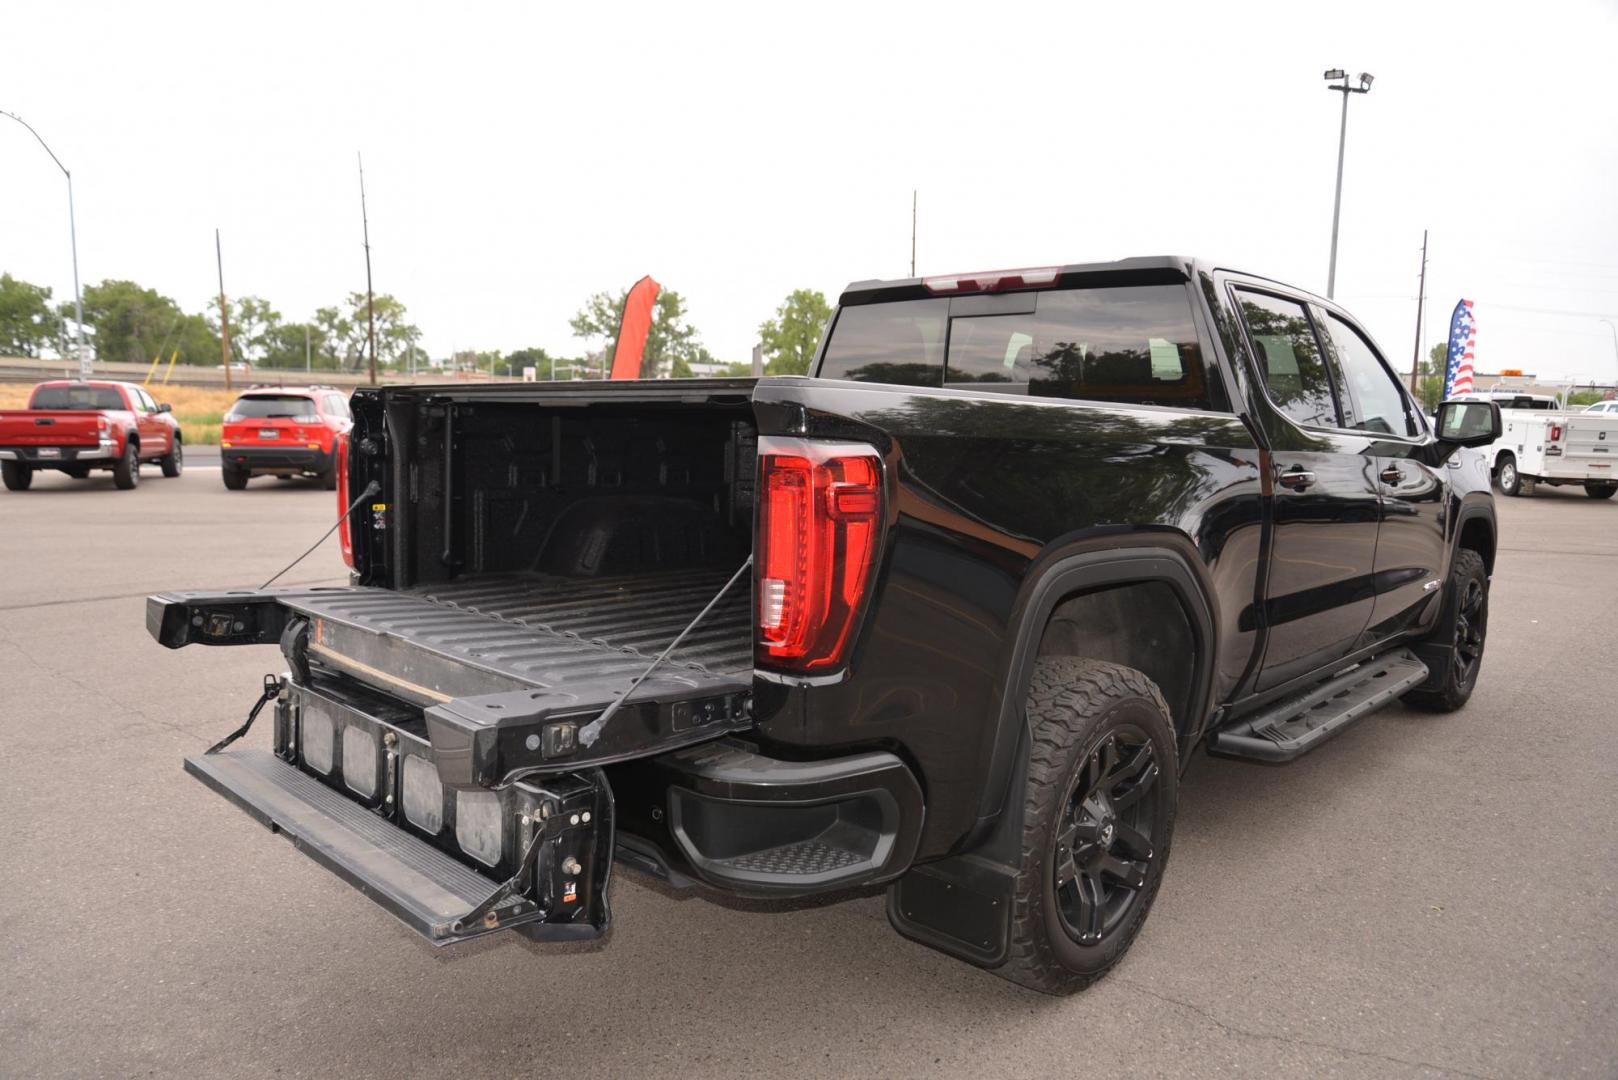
(521, 157)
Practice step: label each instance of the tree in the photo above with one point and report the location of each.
(1430, 381)
(535, 357)
(26, 319)
(131, 323)
(671, 344)
(791, 338)
(394, 335)
(253, 323)
(196, 342)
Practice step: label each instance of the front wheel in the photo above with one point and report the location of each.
(1599, 491)
(173, 461)
(1510, 480)
(126, 470)
(17, 475)
(1463, 626)
(1098, 813)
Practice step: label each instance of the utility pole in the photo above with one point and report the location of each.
(1342, 139)
(912, 232)
(224, 308)
(370, 300)
(308, 355)
(1421, 299)
(73, 237)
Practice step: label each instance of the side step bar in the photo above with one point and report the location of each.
(427, 890)
(1293, 726)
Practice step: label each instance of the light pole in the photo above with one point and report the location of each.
(1342, 138)
(73, 235)
(1614, 330)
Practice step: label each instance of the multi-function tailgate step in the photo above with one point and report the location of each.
(427, 889)
(1297, 724)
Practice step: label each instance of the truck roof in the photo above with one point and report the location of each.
(1139, 270)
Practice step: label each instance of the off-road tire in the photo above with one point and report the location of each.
(126, 470)
(1600, 491)
(1073, 706)
(1457, 681)
(235, 479)
(17, 475)
(1507, 476)
(173, 461)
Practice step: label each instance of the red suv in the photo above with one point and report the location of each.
(285, 432)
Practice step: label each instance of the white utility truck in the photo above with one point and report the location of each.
(1541, 443)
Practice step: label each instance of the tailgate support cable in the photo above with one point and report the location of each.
(373, 488)
(590, 732)
(272, 688)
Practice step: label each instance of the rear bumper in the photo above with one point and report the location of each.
(284, 458)
(64, 455)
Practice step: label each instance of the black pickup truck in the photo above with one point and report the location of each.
(950, 615)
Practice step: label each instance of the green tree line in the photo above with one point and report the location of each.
(132, 323)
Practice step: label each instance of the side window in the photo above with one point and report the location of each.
(336, 406)
(1134, 344)
(146, 401)
(1290, 359)
(1382, 407)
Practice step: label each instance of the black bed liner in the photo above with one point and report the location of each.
(511, 632)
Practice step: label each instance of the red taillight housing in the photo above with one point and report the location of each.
(345, 536)
(992, 280)
(819, 519)
(1556, 433)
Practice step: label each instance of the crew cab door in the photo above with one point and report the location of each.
(154, 430)
(1319, 594)
(1411, 547)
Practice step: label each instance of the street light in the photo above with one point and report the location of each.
(73, 234)
(1614, 330)
(1345, 89)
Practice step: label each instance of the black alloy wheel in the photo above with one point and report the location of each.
(1104, 848)
(1471, 625)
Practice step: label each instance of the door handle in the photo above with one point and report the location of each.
(1390, 475)
(1296, 479)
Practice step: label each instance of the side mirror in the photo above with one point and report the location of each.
(165, 407)
(1468, 423)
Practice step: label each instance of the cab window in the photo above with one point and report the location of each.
(1382, 406)
(1290, 359)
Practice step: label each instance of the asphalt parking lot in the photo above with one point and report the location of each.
(1424, 896)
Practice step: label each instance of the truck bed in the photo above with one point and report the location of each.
(503, 632)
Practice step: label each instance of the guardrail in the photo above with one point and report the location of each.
(22, 369)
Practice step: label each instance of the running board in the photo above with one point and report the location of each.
(1292, 727)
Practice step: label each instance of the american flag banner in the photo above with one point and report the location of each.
(1462, 344)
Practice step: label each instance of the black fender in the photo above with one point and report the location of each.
(1169, 558)
(1474, 507)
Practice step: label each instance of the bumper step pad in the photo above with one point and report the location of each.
(1293, 726)
(424, 887)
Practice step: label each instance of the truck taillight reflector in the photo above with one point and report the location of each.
(818, 521)
(1556, 433)
(345, 535)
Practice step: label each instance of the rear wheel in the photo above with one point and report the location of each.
(235, 479)
(17, 475)
(1599, 491)
(126, 470)
(1510, 480)
(328, 479)
(1098, 814)
(173, 461)
(1463, 625)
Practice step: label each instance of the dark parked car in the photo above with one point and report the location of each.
(951, 614)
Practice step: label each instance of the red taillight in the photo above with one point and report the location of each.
(819, 514)
(992, 280)
(1556, 433)
(344, 536)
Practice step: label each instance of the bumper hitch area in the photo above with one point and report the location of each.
(358, 792)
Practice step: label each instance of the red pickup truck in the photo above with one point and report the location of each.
(74, 427)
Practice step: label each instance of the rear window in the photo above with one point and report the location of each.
(266, 406)
(1131, 344)
(77, 397)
